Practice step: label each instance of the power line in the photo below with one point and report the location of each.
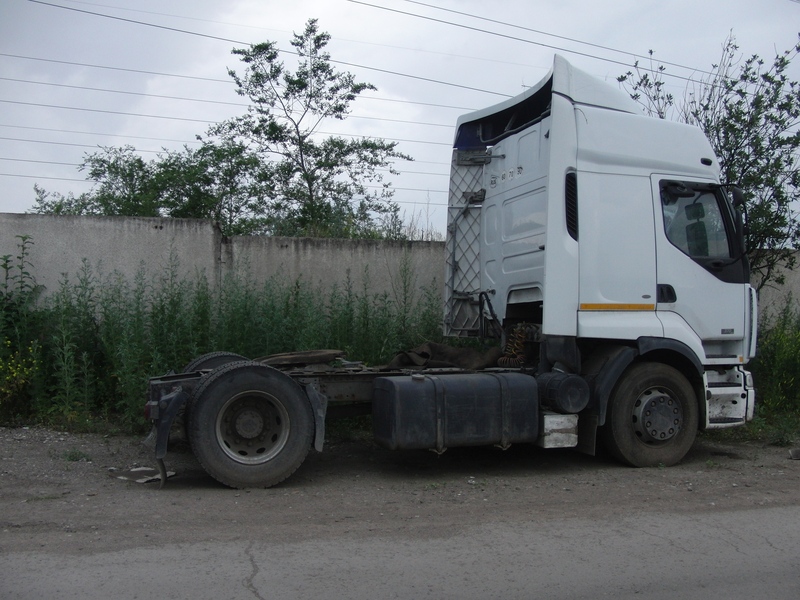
(103, 111)
(218, 38)
(41, 177)
(197, 78)
(137, 137)
(43, 162)
(66, 164)
(239, 104)
(74, 145)
(157, 151)
(139, 71)
(561, 37)
(126, 92)
(505, 36)
(427, 191)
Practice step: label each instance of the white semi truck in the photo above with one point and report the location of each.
(600, 250)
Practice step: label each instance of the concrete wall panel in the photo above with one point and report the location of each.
(123, 244)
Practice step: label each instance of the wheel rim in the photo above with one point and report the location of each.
(252, 427)
(657, 416)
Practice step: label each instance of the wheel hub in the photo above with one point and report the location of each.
(657, 417)
(249, 423)
(252, 427)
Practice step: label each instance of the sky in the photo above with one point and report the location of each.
(76, 76)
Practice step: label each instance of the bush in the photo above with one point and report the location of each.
(776, 371)
(83, 355)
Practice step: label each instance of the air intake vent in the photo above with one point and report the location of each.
(571, 197)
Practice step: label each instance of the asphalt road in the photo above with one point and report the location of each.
(747, 554)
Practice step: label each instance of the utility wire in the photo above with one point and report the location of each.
(181, 98)
(43, 162)
(414, 202)
(126, 92)
(109, 112)
(135, 137)
(72, 144)
(214, 37)
(41, 177)
(560, 37)
(211, 79)
(504, 35)
(140, 71)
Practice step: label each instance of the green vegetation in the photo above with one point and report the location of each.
(270, 170)
(81, 357)
(777, 374)
(776, 371)
(75, 455)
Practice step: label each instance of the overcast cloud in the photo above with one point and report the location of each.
(161, 87)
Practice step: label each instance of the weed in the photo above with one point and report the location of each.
(434, 485)
(82, 357)
(74, 455)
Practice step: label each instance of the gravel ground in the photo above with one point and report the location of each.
(59, 492)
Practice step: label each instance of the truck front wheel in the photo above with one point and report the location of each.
(250, 426)
(652, 416)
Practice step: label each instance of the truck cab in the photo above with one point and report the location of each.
(609, 237)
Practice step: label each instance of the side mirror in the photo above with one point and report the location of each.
(738, 196)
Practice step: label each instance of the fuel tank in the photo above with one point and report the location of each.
(446, 411)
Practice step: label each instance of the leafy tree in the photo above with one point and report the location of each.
(750, 111)
(223, 181)
(321, 185)
(268, 171)
(124, 185)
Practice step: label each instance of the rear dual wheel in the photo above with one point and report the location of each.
(250, 425)
(212, 360)
(652, 416)
(204, 362)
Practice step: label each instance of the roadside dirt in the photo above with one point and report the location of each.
(58, 491)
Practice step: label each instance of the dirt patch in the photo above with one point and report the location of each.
(60, 494)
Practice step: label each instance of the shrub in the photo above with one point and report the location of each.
(84, 354)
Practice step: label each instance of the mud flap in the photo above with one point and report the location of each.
(319, 405)
(168, 407)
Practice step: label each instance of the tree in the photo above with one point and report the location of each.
(750, 112)
(322, 185)
(124, 185)
(223, 181)
(268, 171)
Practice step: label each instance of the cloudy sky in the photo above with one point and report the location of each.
(77, 75)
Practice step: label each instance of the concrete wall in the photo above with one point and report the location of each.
(325, 262)
(773, 299)
(124, 244)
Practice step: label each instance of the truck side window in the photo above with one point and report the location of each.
(693, 221)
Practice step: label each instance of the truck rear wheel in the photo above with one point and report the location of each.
(250, 425)
(204, 362)
(212, 360)
(652, 416)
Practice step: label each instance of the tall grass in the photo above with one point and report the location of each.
(83, 355)
(776, 371)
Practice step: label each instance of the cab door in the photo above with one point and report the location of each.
(701, 269)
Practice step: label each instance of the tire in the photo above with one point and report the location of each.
(250, 425)
(652, 416)
(212, 360)
(204, 362)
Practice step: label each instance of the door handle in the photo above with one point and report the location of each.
(665, 293)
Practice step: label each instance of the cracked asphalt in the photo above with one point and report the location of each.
(357, 521)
